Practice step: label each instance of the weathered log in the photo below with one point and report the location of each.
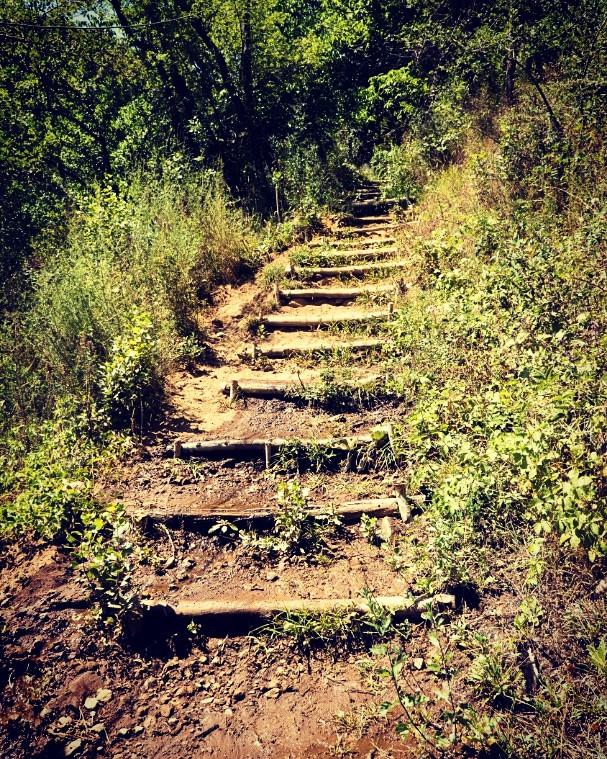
(259, 445)
(282, 388)
(321, 294)
(278, 321)
(358, 254)
(286, 351)
(224, 617)
(349, 511)
(376, 219)
(366, 230)
(338, 271)
(261, 389)
(364, 243)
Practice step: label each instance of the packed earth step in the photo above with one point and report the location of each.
(359, 253)
(282, 388)
(308, 272)
(328, 294)
(349, 511)
(339, 316)
(226, 617)
(367, 230)
(266, 447)
(345, 244)
(382, 219)
(326, 346)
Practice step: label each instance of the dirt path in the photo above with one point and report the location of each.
(230, 695)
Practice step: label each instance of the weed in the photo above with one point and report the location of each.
(598, 656)
(296, 530)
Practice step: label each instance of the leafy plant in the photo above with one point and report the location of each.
(296, 530)
(598, 656)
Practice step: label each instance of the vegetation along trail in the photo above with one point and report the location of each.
(303, 317)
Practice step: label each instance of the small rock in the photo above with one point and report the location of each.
(166, 710)
(149, 722)
(172, 720)
(64, 721)
(272, 576)
(138, 729)
(208, 727)
(384, 529)
(104, 695)
(98, 728)
(272, 684)
(91, 703)
(72, 747)
(272, 693)
(123, 731)
(169, 563)
(238, 695)
(228, 712)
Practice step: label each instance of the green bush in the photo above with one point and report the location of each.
(402, 169)
(115, 297)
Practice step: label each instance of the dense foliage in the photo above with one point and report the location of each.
(144, 145)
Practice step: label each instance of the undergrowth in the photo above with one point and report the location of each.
(499, 344)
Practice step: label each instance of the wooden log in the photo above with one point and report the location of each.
(349, 511)
(282, 388)
(270, 389)
(338, 271)
(366, 230)
(278, 321)
(365, 243)
(223, 617)
(321, 294)
(359, 253)
(258, 446)
(370, 220)
(287, 351)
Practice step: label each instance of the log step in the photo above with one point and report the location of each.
(358, 253)
(366, 230)
(366, 243)
(320, 294)
(233, 617)
(266, 446)
(280, 322)
(278, 388)
(286, 351)
(349, 511)
(306, 272)
(381, 219)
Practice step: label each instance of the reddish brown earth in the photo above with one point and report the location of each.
(69, 688)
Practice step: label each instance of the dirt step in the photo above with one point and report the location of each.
(234, 617)
(280, 388)
(366, 230)
(302, 349)
(359, 253)
(349, 511)
(282, 322)
(267, 446)
(324, 294)
(307, 272)
(375, 219)
(340, 243)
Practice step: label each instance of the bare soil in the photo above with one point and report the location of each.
(71, 689)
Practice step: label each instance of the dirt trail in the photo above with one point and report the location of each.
(236, 696)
